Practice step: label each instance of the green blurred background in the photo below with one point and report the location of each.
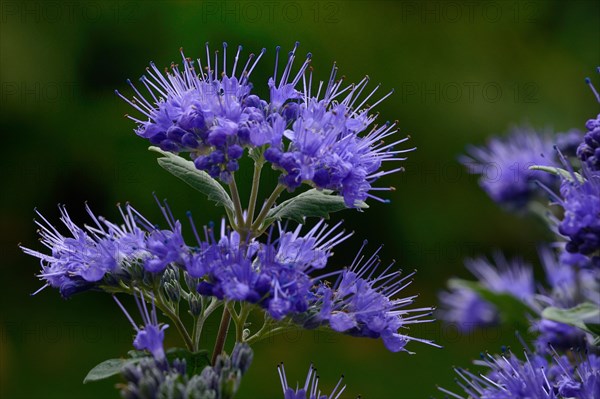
(462, 71)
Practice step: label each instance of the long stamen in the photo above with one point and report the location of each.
(588, 81)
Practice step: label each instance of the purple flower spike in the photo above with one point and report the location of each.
(200, 111)
(152, 335)
(589, 150)
(581, 224)
(362, 302)
(331, 143)
(469, 310)
(78, 261)
(537, 376)
(504, 166)
(310, 390)
(325, 136)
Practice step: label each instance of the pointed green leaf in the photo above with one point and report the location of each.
(200, 180)
(511, 309)
(107, 369)
(195, 361)
(585, 316)
(558, 172)
(311, 203)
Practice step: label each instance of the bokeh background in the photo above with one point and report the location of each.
(462, 70)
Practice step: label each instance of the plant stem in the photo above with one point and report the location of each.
(241, 322)
(221, 335)
(235, 196)
(231, 219)
(243, 230)
(178, 323)
(164, 307)
(253, 193)
(199, 323)
(260, 334)
(267, 207)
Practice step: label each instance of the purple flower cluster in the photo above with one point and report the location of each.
(275, 275)
(325, 139)
(280, 276)
(78, 261)
(284, 276)
(149, 379)
(564, 363)
(589, 150)
(324, 147)
(361, 303)
(465, 307)
(568, 286)
(535, 377)
(504, 166)
(152, 335)
(310, 389)
(208, 115)
(568, 142)
(581, 221)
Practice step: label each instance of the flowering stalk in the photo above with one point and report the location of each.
(222, 334)
(203, 118)
(257, 224)
(240, 227)
(199, 323)
(238, 223)
(258, 165)
(164, 307)
(561, 313)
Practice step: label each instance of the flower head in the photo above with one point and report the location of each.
(537, 376)
(82, 259)
(150, 337)
(584, 381)
(362, 302)
(78, 261)
(310, 389)
(150, 379)
(589, 150)
(165, 247)
(208, 113)
(275, 275)
(514, 277)
(504, 166)
(332, 142)
(326, 139)
(569, 287)
(464, 306)
(568, 142)
(508, 378)
(467, 309)
(581, 221)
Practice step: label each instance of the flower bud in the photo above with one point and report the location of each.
(195, 304)
(173, 290)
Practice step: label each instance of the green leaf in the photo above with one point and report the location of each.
(585, 316)
(558, 172)
(107, 369)
(195, 361)
(512, 310)
(311, 203)
(201, 181)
